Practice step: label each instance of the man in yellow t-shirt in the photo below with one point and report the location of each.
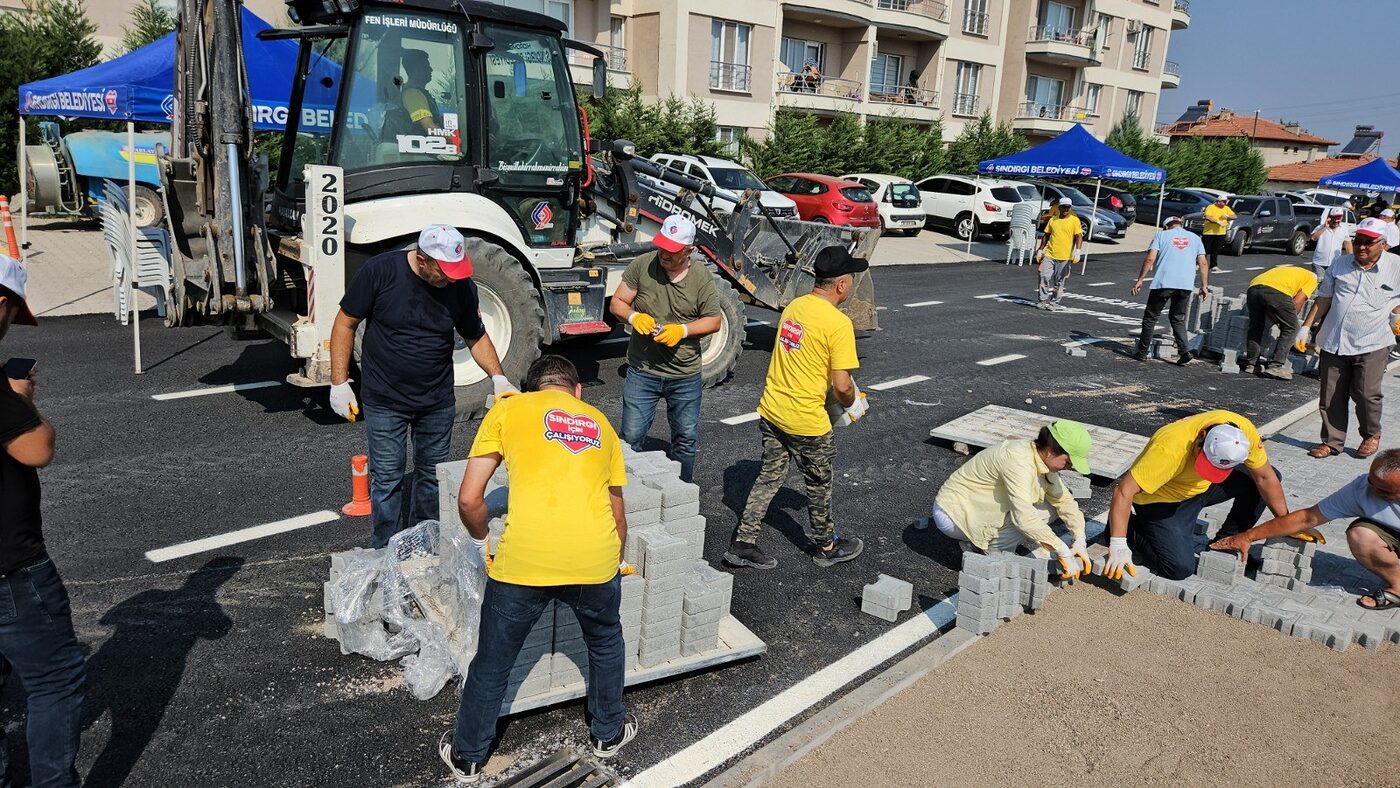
(1217, 221)
(814, 354)
(421, 108)
(563, 540)
(1060, 246)
(1276, 297)
(1189, 464)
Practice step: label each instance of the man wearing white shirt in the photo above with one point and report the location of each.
(1332, 239)
(1392, 232)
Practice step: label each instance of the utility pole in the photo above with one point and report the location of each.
(1255, 140)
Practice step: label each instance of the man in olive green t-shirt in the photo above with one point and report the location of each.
(670, 304)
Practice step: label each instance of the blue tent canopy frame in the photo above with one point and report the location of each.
(1375, 175)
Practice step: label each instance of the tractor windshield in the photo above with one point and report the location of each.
(311, 139)
(534, 139)
(406, 93)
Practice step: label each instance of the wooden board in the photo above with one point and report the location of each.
(736, 642)
(1113, 452)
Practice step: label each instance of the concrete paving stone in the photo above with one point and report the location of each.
(651, 657)
(680, 511)
(566, 676)
(984, 566)
(682, 527)
(637, 497)
(632, 620)
(329, 629)
(668, 581)
(539, 665)
(1304, 575)
(1367, 634)
(660, 626)
(655, 616)
(691, 648)
(1129, 582)
(528, 689)
(693, 620)
(890, 592)
(643, 518)
(633, 586)
(871, 607)
(674, 492)
(1008, 611)
(662, 548)
(970, 601)
(704, 602)
(664, 599)
(1163, 586)
(1279, 581)
(1219, 566)
(978, 585)
(634, 550)
(1334, 637)
(986, 611)
(977, 626)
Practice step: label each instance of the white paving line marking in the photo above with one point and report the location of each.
(991, 362)
(897, 382)
(925, 303)
(1252, 268)
(1091, 341)
(1222, 271)
(991, 295)
(740, 419)
(758, 323)
(229, 389)
(1100, 284)
(242, 535)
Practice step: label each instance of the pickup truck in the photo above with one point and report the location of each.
(1260, 221)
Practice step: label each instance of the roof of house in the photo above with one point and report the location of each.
(1232, 125)
(1313, 171)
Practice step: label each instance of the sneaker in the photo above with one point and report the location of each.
(1278, 372)
(1185, 358)
(842, 550)
(1395, 354)
(1140, 355)
(463, 771)
(745, 554)
(609, 748)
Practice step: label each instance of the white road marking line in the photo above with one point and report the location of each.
(925, 303)
(991, 295)
(991, 362)
(1252, 268)
(1222, 271)
(740, 419)
(1090, 341)
(1100, 284)
(229, 389)
(897, 382)
(242, 535)
(758, 323)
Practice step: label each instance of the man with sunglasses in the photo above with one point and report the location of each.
(1353, 315)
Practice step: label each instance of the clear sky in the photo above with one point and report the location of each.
(1327, 64)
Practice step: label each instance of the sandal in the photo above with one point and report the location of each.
(1323, 451)
(1380, 600)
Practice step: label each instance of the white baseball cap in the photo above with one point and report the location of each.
(677, 232)
(1171, 220)
(1371, 228)
(447, 246)
(1336, 212)
(1066, 201)
(1223, 198)
(1388, 213)
(14, 277)
(1225, 447)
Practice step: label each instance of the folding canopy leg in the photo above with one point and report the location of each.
(133, 259)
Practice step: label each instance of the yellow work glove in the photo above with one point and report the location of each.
(1310, 535)
(642, 323)
(1080, 550)
(1071, 565)
(625, 569)
(1395, 324)
(671, 334)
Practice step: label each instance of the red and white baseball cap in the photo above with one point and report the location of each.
(447, 246)
(1371, 228)
(14, 277)
(1336, 212)
(1225, 447)
(677, 232)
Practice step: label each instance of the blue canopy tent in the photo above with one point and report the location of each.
(1375, 175)
(1074, 154)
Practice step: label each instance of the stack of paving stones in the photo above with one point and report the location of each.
(1287, 563)
(1224, 326)
(998, 587)
(887, 597)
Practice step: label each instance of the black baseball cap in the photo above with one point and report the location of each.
(834, 261)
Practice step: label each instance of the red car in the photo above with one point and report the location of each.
(822, 198)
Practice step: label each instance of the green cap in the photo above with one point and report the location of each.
(1075, 440)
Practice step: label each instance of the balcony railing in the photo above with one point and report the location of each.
(904, 94)
(1184, 6)
(928, 8)
(975, 23)
(1083, 38)
(1037, 109)
(965, 104)
(1171, 67)
(789, 82)
(1141, 59)
(615, 57)
(730, 76)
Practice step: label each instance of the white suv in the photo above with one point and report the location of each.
(730, 179)
(971, 207)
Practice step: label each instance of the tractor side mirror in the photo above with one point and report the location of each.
(600, 77)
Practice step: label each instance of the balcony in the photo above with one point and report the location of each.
(1181, 15)
(732, 77)
(975, 23)
(965, 105)
(901, 101)
(581, 66)
(1063, 46)
(1048, 120)
(920, 18)
(826, 95)
(1171, 74)
(1142, 60)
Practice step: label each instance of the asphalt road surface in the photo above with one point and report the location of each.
(211, 670)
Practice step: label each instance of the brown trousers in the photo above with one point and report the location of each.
(1354, 378)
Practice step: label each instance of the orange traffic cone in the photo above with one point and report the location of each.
(9, 228)
(359, 486)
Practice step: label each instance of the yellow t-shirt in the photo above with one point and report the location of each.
(1214, 211)
(1289, 280)
(814, 338)
(1166, 469)
(1062, 232)
(415, 101)
(561, 457)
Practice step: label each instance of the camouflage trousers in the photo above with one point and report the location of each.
(814, 457)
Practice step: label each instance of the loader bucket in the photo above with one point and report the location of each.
(860, 307)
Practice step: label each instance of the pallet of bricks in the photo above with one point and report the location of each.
(1222, 325)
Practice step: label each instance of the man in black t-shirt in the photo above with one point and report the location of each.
(36, 627)
(412, 303)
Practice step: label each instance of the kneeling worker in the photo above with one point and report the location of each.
(1188, 465)
(990, 501)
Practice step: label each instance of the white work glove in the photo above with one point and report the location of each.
(343, 401)
(476, 556)
(1120, 559)
(501, 386)
(857, 410)
(1300, 342)
(1070, 567)
(1074, 256)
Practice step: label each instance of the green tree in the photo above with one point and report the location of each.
(794, 144)
(51, 38)
(150, 20)
(838, 145)
(1228, 164)
(671, 125)
(982, 140)
(896, 146)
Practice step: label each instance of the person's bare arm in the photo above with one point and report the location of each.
(1316, 234)
(1299, 301)
(471, 496)
(1292, 523)
(1319, 310)
(702, 326)
(620, 305)
(1121, 506)
(33, 447)
(845, 387)
(1147, 263)
(1270, 489)
(1203, 266)
(342, 345)
(484, 354)
(619, 511)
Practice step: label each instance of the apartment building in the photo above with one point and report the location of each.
(1043, 65)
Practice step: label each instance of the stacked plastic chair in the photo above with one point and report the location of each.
(151, 270)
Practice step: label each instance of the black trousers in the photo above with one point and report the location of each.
(1180, 302)
(1213, 243)
(1162, 535)
(1269, 306)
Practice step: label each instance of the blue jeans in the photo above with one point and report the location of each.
(639, 397)
(1162, 535)
(37, 640)
(388, 432)
(508, 611)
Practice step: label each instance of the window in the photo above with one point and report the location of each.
(795, 53)
(534, 134)
(782, 183)
(961, 188)
(884, 74)
(1044, 97)
(730, 136)
(563, 10)
(729, 55)
(1142, 48)
(1091, 97)
(617, 33)
(975, 17)
(965, 87)
(1101, 30)
(1134, 103)
(1059, 20)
